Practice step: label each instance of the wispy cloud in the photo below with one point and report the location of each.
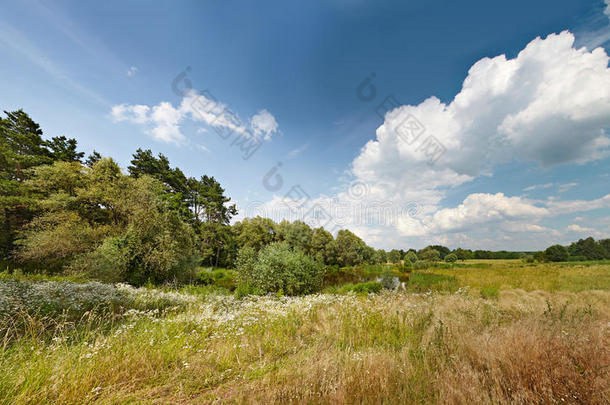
(538, 186)
(296, 152)
(578, 228)
(565, 187)
(164, 120)
(89, 46)
(19, 43)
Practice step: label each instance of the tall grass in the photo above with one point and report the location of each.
(437, 342)
(524, 347)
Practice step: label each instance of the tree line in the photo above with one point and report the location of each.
(583, 249)
(63, 213)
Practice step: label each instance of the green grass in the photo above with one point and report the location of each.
(422, 281)
(490, 292)
(389, 347)
(514, 274)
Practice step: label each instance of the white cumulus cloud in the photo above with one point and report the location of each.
(264, 124)
(475, 211)
(549, 105)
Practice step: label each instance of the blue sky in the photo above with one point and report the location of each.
(525, 149)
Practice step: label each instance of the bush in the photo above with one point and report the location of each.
(225, 278)
(556, 253)
(430, 255)
(218, 277)
(529, 259)
(411, 257)
(246, 259)
(279, 268)
(451, 258)
(244, 289)
(108, 263)
(204, 276)
(539, 257)
(53, 299)
(63, 304)
(421, 265)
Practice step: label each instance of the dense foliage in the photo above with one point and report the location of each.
(583, 249)
(58, 214)
(280, 268)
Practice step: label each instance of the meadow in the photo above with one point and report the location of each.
(497, 331)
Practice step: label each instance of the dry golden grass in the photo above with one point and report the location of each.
(523, 347)
(537, 355)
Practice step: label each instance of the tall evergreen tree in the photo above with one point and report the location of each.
(62, 148)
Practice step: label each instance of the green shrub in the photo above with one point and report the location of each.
(529, 259)
(421, 265)
(108, 263)
(246, 259)
(244, 289)
(225, 278)
(539, 257)
(556, 253)
(53, 303)
(430, 255)
(219, 277)
(411, 257)
(280, 268)
(451, 258)
(204, 276)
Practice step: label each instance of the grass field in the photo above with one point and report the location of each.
(484, 332)
(513, 274)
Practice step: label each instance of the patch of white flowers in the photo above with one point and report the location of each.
(68, 299)
(50, 297)
(150, 298)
